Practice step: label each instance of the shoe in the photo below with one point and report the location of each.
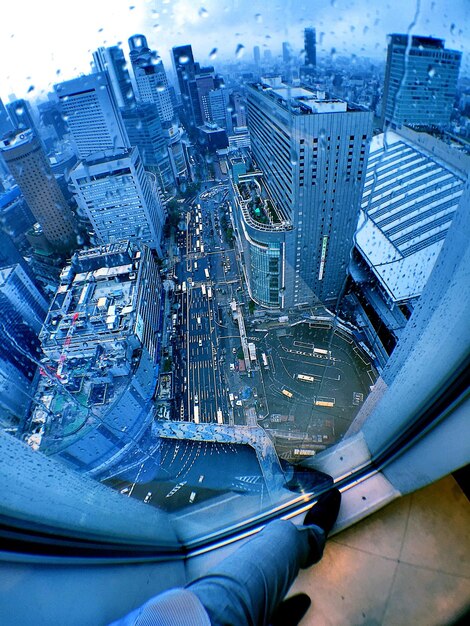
(325, 511)
(291, 611)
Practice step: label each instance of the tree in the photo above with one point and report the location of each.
(251, 307)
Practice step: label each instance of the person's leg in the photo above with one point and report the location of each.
(245, 588)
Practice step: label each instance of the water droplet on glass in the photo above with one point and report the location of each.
(258, 17)
(431, 71)
(239, 51)
(213, 53)
(183, 59)
(31, 88)
(203, 12)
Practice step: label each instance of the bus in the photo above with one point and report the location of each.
(305, 378)
(287, 393)
(209, 293)
(184, 287)
(264, 358)
(320, 351)
(203, 289)
(198, 244)
(196, 414)
(220, 419)
(327, 402)
(206, 273)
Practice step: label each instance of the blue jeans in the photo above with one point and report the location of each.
(246, 587)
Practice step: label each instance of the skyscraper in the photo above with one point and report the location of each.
(30, 167)
(257, 55)
(6, 125)
(116, 195)
(310, 46)
(313, 153)
(112, 61)
(102, 330)
(23, 310)
(150, 76)
(286, 52)
(92, 114)
(420, 82)
(184, 66)
(145, 131)
(21, 115)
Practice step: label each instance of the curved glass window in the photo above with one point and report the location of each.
(221, 252)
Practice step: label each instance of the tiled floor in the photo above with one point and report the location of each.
(409, 564)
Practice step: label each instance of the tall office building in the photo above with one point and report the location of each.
(115, 193)
(23, 310)
(30, 167)
(286, 52)
(238, 105)
(21, 115)
(101, 340)
(145, 131)
(420, 82)
(14, 395)
(6, 125)
(313, 154)
(112, 61)
(310, 47)
(92, 114)
(257, 55)
(184, 66)
(150, 77)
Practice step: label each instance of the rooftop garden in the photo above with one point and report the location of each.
(260, 207)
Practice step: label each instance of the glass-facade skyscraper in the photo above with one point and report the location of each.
(312, 152)
(420, 82)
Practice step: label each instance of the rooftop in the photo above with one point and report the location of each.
(301, 100)
(410, 195)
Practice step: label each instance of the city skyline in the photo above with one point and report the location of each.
(342, 28)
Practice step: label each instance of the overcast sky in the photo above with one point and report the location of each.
(45, 41)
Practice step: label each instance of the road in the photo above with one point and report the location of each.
(205, 336)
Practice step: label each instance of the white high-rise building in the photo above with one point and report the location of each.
(115, 193)
(92, 114)
(150, 77)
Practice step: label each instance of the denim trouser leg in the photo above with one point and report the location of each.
(245, 588)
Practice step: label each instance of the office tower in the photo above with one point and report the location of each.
(101, 341)
(150, 77)
(204, 84)
(257, 55)
(14, 395)
(310, 47)
(145, 131)
(184, 66)
(52, 118)
(238, 105)
(420, 82)
(23, 312)
(176, 152)
(116, 195)
(286, 53)
(92, 114)
(220, 110)
(112, 61)
(21, 115)
(6, 125)
(24, 155)
(15, 217)
(312, 153)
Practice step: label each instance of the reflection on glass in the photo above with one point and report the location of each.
(204, 270)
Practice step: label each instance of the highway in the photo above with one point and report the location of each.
(207, 279)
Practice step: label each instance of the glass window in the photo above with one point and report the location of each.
(184, 331)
